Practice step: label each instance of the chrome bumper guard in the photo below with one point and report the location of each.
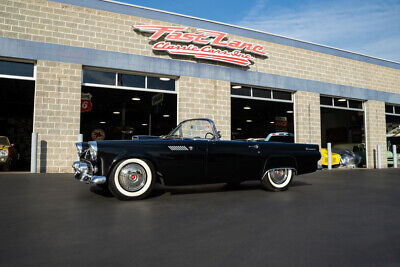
(83, 173)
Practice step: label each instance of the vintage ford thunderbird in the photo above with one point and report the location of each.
(191, 154)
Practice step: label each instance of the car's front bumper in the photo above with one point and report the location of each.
(84, 173)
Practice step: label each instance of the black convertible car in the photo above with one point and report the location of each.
(191, 154)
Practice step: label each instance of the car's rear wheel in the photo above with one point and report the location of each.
(277, 179)
(132, 179)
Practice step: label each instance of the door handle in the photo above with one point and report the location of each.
(253, 146)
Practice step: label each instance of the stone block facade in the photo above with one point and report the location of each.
(375, 132)
(57, 114)
(307, 118)
(205, 98)
(51, 22)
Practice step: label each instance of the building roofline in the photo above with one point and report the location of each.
(246, 28)
(176, 18)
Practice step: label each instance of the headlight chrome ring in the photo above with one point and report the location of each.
(93, 150)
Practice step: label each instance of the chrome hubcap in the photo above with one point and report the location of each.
(132, 177)
(279, 176)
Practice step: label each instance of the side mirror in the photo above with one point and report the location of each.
(219, 134)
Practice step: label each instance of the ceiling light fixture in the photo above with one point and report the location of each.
(271, 122)
(102, 122)
(116, 112)
(236, 86)
(165, 115)
(249, 121)
(165, 79)
(342, 99)
(289, 111)
(144, 124)
(239, 129)
(135, 98)
(247, 107)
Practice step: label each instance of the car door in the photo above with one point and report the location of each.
(233, 161)
(183, 161)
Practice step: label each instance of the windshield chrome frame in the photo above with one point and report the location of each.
(214, 129)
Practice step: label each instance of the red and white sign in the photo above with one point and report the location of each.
(86, 102)
(233, 52)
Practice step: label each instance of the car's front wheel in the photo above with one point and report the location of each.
(132, 179)
(277, 179)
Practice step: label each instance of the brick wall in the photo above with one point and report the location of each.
(57, 114)
(307, 118)
(375, 131)
(205, 98)
(51, 22)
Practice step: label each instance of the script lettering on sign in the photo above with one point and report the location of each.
(204, 44)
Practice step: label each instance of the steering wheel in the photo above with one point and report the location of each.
(213, 136)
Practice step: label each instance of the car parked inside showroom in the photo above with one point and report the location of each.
(193, 153)
(8, 154)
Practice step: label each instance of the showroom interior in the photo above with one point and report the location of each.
(118, 104)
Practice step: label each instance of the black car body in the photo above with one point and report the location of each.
(179, 160)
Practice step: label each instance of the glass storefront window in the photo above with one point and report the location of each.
(389, 109)
(16, 68)
(340, 102)
(355, 104)
(98, 77)
(282, 95)
(264, 93)
(161, 83)
(119, 114)
(243, 90)
(325, 100)
(397, 109)
(131, 80)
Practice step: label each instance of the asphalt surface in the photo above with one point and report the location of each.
(338, 218)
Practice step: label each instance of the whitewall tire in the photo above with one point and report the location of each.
(277, 179)
(132, 179)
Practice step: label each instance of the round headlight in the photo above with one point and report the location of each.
(3, 153)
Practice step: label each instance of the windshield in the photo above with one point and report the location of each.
(4, 141)
(194, 129)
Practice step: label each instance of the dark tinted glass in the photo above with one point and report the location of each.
(98, 77)
(327, 101)
(355, 104)
(131, 80)
(282, 95)
(340, 103)
(389, 109)
(156, 83)
(397, 109)
(264, 93)
(16, 68)
(241, 91)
